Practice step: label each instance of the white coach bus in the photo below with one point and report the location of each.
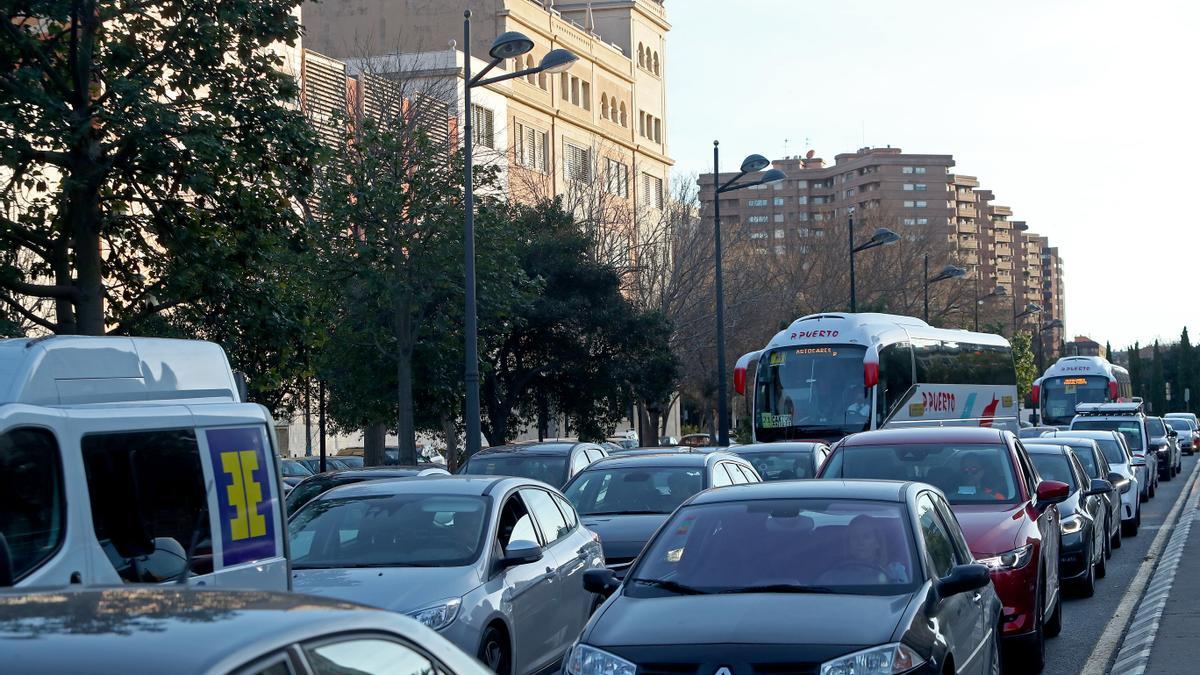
(829, 375)
(1078, 379)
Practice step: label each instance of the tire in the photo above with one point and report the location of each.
(1033, 652)
(1085, 587)
(495, 652)
(1116, 538)
(1153, 489)
(997, 664)
(1130, 529)
(1102, 563)
(1053, 625)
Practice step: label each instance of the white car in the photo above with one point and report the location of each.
(1116, 451)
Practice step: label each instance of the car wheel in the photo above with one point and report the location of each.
(494, 652)
(1153, 489)
(997, 665)
(1116, 538)
(1102, 562)
(1054, 623)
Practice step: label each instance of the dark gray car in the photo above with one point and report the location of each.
(1096, 465)
(184, 631)
(786, 460)
(552, 462)
(494, 564)
(624, 499)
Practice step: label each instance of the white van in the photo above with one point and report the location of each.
(127, 460)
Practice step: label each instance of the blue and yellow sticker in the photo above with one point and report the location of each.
(246, 504)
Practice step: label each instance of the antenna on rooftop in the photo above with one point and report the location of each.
(785, 147)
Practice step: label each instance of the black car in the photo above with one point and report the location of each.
(1165, 442)
(317, 485)
(624, 499)
(552, 462)
(313, 464)
(784, 461)
(1095, 463)
(1082, 516)
(799, 577)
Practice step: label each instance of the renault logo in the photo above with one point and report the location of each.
(723, 670)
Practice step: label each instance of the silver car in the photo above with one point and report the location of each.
(493, 564)
(1187, 433)
(1122, 461)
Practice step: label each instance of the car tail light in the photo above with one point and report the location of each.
(1034, 392)
(1112, 389)
(870, 373)
(739, 379)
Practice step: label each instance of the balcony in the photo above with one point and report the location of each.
(1005, 265)
(1003, 236)
(968, 228)
(967, 211)
(968, 244)
(969, 258)
(1003, 249)
(1003, 277)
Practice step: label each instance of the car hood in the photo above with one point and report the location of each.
(990, 529)
(754, 618)
(399, 589)
(624, 536)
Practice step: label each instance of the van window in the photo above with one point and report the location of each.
(148, 502)
(32, 508)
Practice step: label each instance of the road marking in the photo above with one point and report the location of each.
(1110, 640)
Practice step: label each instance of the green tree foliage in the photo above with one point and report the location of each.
(1023, 359)
(575, 344)
(151, 154)
(1158, 390)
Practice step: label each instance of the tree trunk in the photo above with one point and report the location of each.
(406, 425)
(647, 432)
(450, 432)
(374, 437)
(543, 414)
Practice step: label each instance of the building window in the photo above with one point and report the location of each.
(758, 235)
(804, 232)
(641, 55)
(657, 130)
(907, 169)
(851, 192)
(624, 117)
(802, 216)
(922, 204)
(756, 202)
(586, 93)
(801, 184)
(909, 187)
(574, 91)
(483, 126)
(779, 201)
(754, 220)
(531, 147)
(642, 123)
(819, 233)
(780, 234)
(604, 106)
(802, 200)
(780, 250)
(616, 178)
(921, 187)
(818, 217)
(577, 163)
(530, 78)
(652, 191)
(779, 217)
(920, 169)
(565, 86)
(922, 221)
(910, 221)
(908, 203)
(656, 68)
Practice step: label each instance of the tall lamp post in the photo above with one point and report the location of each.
(1040, 347)
(882, 237)
(507, 46)
(998, 292)
(948, 272)
(751, 164)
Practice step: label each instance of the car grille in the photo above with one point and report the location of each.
(667, 668)
(756, 668)
(787, 668)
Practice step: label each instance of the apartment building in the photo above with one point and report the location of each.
(599, 126)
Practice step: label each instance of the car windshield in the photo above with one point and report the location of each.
(780, 545)
(1131, 429)
(811, 392)
(290, 467)
(967, 474)
(1054, 467)
(782, 465)
(404, 530)
(1060, 395)
(1179, 424)
(1112, 450)
(657, 489)
(1156, 427)
(550, 469)
(308, 490)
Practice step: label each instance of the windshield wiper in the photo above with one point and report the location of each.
(627, 513)
(781, 588)
(672, 586)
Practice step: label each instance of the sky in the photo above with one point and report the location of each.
(1079, 114)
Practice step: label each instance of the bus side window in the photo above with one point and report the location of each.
(895, 376)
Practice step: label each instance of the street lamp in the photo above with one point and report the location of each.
(751, 164)
(1030, 309)
(948, 272)
(1040, 347)
(507, 46)
(882, 237)
(998, 292)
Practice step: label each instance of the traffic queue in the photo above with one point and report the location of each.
(892, 515)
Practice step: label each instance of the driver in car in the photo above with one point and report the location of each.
(866, 560)
(974, 479)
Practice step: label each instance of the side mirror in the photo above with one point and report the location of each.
(1118, 481)
(602, 582)
(520, 553)
(964, 578)
(1100, 487)
(1052, 492)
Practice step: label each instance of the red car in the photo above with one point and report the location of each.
(1006, 511)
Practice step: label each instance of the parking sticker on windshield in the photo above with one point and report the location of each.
(966, 489)
(246, 505)
(769, 421)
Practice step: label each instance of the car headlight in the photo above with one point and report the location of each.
(884, 660)
(587, 660)
(1071, 524)
(439, 615)
(1010, 560)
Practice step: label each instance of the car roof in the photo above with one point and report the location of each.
(374, 472)
(1046, 448)
(1061, 440)
(788, 446)
(926, 435)
(550, 448)
(683, 459)
(873, 490)
(465, 485)
(1098, 434)
(157, 629)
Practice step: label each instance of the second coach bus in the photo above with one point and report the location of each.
(829, 375)
(1078, 379)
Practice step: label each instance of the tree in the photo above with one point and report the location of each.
(1185, 378)
(1135, 371)
(1158, 393)
(1108, 352)
(148, 150)
(1023, 360)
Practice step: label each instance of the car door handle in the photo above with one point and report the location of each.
(977, 597)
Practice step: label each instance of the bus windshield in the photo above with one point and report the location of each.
(811, 392)
(1060, 395)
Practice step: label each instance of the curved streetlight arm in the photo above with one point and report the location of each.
(477, 82)
(730, 185)
(870, 243)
